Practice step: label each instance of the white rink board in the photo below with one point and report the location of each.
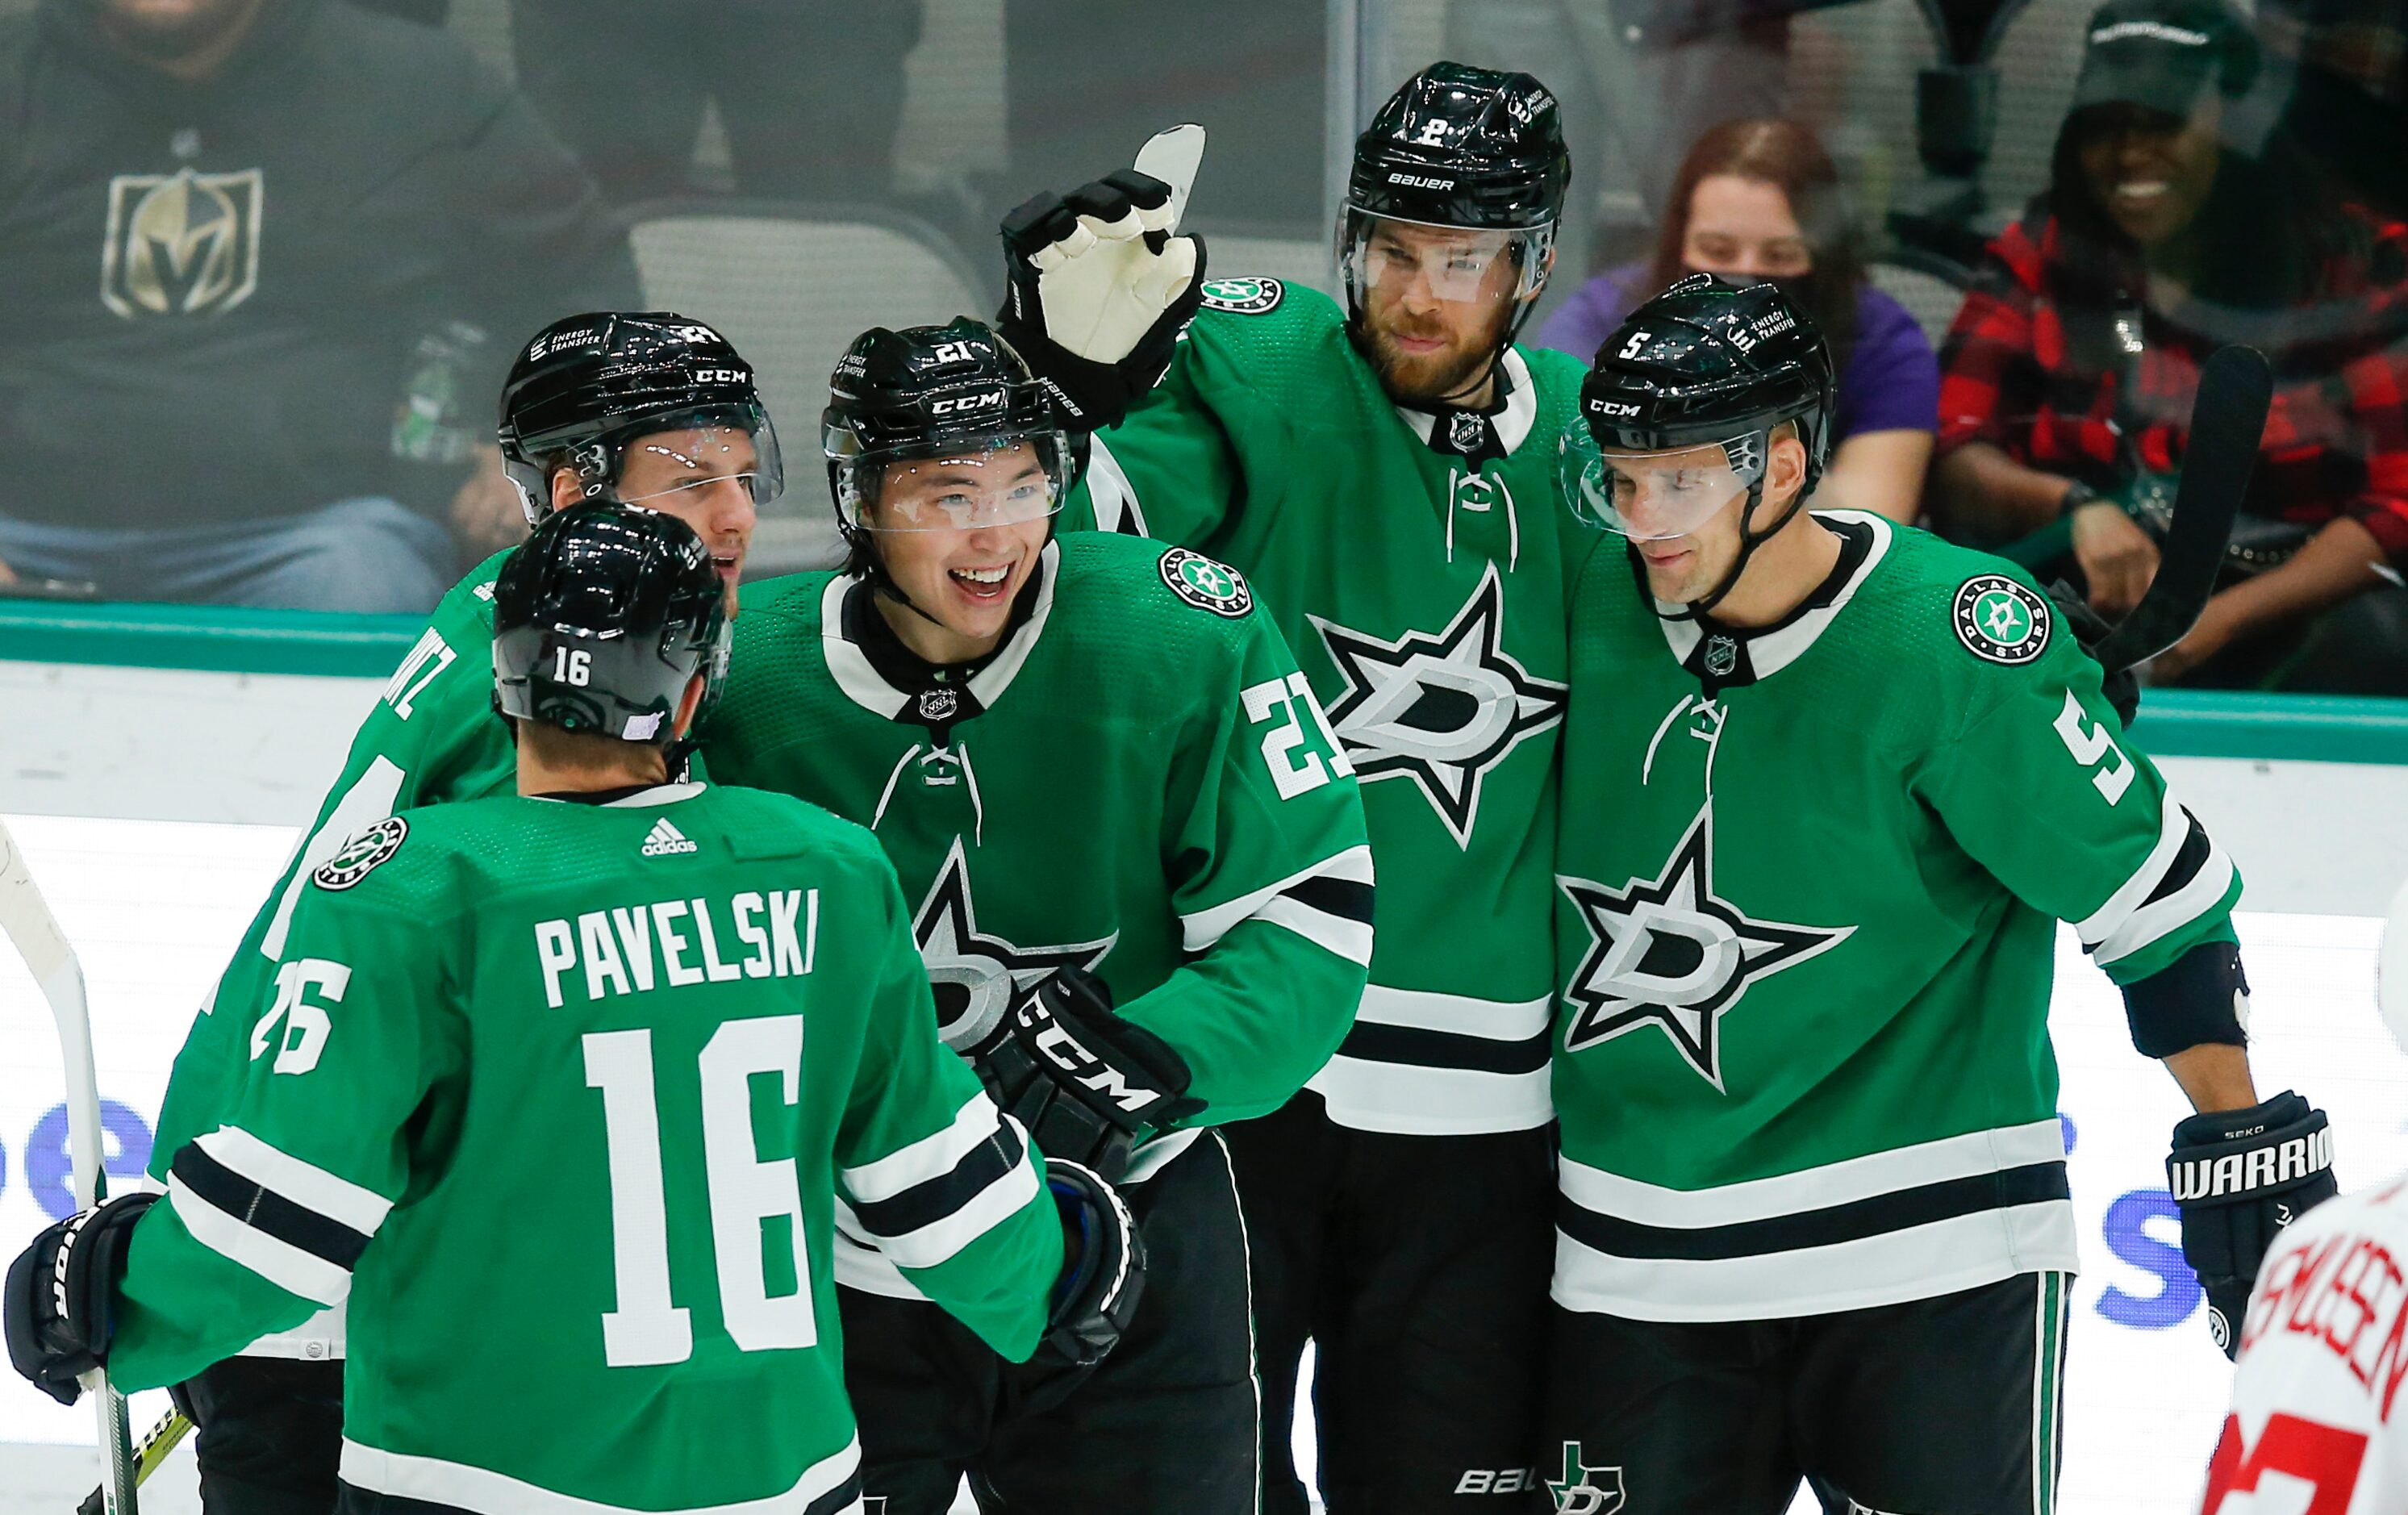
(154, 906)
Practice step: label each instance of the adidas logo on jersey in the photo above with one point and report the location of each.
(665, 838)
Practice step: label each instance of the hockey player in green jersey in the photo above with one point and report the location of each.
(1829, 785)
(1383, 475)
(649, 407)
(557, 1089)
(1141, 882)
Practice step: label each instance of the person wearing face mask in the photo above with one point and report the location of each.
(1760, 201)
(2068, 376)
(1139, 880)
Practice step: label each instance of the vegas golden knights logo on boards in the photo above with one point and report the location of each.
(181, 244)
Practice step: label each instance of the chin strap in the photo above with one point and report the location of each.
(1748, 542)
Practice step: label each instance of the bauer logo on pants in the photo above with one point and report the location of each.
(363, 854)
(1999, 620)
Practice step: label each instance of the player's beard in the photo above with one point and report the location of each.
(1446, 376)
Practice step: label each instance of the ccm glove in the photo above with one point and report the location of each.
(59, 1306)
(1099, 287)
(2240, 1177)
(1103, 1267)
(1085, 1083)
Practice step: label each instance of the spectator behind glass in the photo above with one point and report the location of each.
(2156, 234)
(810, 91)
(1759, 200)
(254, 249)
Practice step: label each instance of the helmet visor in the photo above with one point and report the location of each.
(1654, 496)
(1000, 482)
(1454, 262)
(670, 466)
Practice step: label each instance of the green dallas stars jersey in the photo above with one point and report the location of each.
(1138, 784)
(1424, 594)
(1810, 886)
(557, 1096)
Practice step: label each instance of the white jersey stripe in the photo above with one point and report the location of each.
(1349, 940)
(461, 1486)
(930, 1157)
(938, 1240)
(305, 1184)
(280, 1263)
(1413, 1101)
(1110, 493)
(1814, 1188)
(2170, 914)
(1459, 1015)
(1200, 930)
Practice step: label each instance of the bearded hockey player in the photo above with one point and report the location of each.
(561, 1111)
(1829, 784)
(648, 408)
(1143, 893)
(2324, 1347)
(1383, 475)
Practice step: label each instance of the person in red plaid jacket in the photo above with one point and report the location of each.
(2067, 379)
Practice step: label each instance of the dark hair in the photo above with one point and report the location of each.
(1791, 158)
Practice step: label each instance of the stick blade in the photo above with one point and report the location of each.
(2228, 417)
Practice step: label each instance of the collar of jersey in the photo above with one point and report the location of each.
(1512, 421)
(628, 797)
(1769, 652)
(873, 692)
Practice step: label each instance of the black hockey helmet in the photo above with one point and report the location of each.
(603, 618)
(1705, 363)
(952, 394)
(588, 386)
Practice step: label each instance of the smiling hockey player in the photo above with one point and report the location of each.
(1829, 785)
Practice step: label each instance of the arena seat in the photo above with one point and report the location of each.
(791, 285)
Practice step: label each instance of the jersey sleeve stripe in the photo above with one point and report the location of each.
(1110, 493)
(1312, 887)
(937, 1242)
(2170, 908)
(930, 1157)
(2185, 875)
(294, 1269)
(925, 1203)
(306, 1184)
(433, 1486)
(1349, 940)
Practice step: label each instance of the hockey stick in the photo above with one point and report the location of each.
(30, 926)
(163, 1439)
(2235, 390)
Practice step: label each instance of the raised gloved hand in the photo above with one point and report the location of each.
(2240, 1177)
(1087, 1084)
(1103, 1266)
(1100, 285)
(59, 1306)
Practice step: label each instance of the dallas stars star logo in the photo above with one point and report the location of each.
(1667, 952)
(1441, 710)
(978, 976)
(1584, 1490)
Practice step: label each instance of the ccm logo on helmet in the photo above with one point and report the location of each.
(1615, 408)
(719, 376)
(991, 400)
(1417, 181)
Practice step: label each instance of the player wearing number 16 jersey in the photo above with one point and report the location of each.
(557, 1088)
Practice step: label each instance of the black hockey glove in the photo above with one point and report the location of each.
(1099, 292)
(1103, 1267)
(60, 1304)
(1086, 1083)
(2240, 1177)
(2122, 686)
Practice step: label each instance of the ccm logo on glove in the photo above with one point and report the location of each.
(1064, 1051)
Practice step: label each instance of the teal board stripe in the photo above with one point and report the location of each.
(216, 638)
(2320, 728)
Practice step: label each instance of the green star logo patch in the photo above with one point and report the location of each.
(1206, 584)
(2001, 620)
(1243, 296)
(363, 854)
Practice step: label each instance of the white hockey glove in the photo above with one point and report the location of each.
(1100, 285)
(1103, 1267)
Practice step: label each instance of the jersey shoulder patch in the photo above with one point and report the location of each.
(363, 854)
(1207, 584)
(1243, 296)
(1999, 619)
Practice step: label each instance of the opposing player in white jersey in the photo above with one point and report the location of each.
(2324, 1349)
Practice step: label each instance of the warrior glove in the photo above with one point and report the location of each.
(1100, 286)
(1085, 1083)
(59, 1306)
(2240, 1177)
(1103, 1267)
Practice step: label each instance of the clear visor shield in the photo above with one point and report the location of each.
(670, 468)
(1454, 264)
(1652, 496)
(999, 483)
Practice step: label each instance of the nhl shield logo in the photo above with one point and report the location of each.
(1243, 296)
(1465, 430)
(1722, 656)
(1999, 620)
(939, 704)
(181, 244)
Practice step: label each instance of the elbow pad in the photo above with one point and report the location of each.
(2201, 998)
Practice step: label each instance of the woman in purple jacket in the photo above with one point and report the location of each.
(1758, 201)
